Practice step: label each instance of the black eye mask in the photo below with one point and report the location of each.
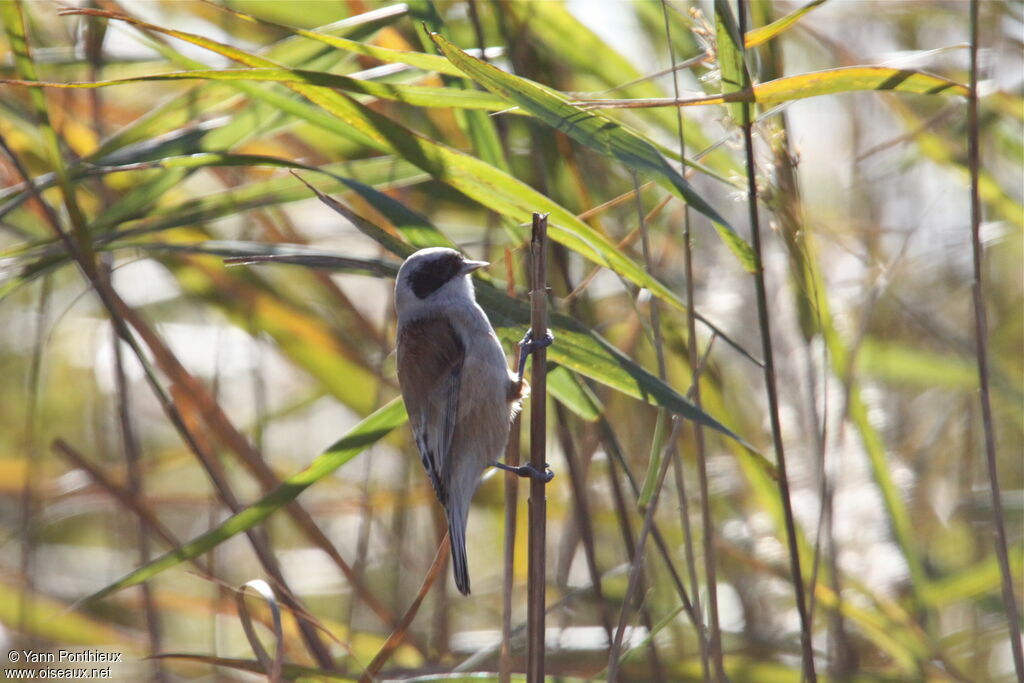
(431, 276)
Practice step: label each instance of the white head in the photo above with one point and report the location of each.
(431, 279)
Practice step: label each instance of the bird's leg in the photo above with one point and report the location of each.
(528, 345)
(527, 471)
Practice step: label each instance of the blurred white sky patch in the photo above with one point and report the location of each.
(123, 42)
(614, 22)
(578, 638)
(145, 282)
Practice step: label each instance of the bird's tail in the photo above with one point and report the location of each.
(457, 532)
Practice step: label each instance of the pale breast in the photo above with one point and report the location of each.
(484, 407)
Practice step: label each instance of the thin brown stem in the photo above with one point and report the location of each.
(708, 528)
(511, 507)
(770, 383)
(399, 634)
(124, 496)
(981, 353)
(118, 312)
(133, 459)
(612, 446)
(638, 560)
(365, 504)
(536, 571)
(577, 480)
(629, 544)
(673, 450)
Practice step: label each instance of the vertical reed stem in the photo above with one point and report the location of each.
(133, 467)
(636, 569)
(714, 636)
(769, 379)
(538, 448)
(511, 508)
(981, 352)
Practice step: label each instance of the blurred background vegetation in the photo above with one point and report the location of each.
(229, 380)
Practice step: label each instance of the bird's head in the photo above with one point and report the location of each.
(433, 278)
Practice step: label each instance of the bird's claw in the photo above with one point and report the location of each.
(528, 345)
(528, 470)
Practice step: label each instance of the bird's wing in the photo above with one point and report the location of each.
(430, 360)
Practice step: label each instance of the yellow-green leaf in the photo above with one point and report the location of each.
(763, 34)
(813, 84)
(595, 131)
(730, 59)
(477, 179)
(422, 96)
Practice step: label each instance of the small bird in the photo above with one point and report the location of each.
(458, 390)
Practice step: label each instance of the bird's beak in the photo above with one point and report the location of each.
(469, 266)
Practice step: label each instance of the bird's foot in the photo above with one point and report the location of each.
(527, 471)
(528, 345)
